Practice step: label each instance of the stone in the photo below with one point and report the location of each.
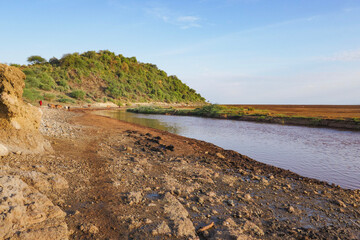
(219, 155)
(28, 214)
(134, 197)
(291, 209)
(247, 197)
(252, 227)
(264, 181)
(89, 228)
(3, 150)
(340, 203)
(231, 230)
(43, 182)
(230, 202)
(181, 225)
(19, 122)
(161, 229)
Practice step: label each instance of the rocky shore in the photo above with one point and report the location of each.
(107, 179)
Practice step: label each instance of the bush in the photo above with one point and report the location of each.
(77, 94)
(212, 110)
(49, 96)
(32, 82)
(32, 95)
(65, 100)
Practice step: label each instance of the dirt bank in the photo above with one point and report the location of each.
(125, 181)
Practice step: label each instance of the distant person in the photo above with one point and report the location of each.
(40, 103)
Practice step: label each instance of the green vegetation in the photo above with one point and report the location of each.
(63, 99)
(104, 76)
(250, 114)
(36, 59)
(49, 96)
(32, 95)
(77, 94)
(211, 110)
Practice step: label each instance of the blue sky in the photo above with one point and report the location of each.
(230, 51)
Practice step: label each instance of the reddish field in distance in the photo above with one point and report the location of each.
(317, 111)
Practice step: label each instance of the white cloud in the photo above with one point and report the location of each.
(187, 19)
(176, 19)
(344, 56)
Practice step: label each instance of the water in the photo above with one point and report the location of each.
(325, 154)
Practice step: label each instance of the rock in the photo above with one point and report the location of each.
(231, 230)
(230, 223)
(252, 227)
(181, 225)
(42, 181)
(291, 209)
(134, 223)
(230, 202)
(229, 179)
(19, 122)
(162, 228)
(3, 150)
(28, 214)
(134, 197)
(200, 200)
(93, 229)
(148, 221)
(219, 155)
(89, 228)
(247, 197)
(340, 203)
(264, 181)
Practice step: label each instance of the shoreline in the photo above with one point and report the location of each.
(129, 181)
(342, 124)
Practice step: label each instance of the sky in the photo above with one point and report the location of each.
(229, 51)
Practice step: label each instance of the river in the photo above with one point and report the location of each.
(325, 154)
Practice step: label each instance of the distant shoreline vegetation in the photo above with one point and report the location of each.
(250, 114)
(102, 76)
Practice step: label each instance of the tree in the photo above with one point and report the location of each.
(54, 61)
(36, 59)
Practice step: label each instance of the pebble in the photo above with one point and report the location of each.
(291, 209)
(247, 197)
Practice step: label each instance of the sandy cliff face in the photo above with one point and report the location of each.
(19, 122)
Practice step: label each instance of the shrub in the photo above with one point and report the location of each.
(212, 110)
(77, 94)
(32, 95)
(65, 100)
(32, 82)
(49, 96)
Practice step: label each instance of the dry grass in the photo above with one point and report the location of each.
(315, 111)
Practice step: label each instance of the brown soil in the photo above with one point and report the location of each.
(119, 174)
(317, 111)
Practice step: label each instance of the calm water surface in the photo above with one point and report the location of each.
(325, 154)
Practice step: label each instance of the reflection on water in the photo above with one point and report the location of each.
(326, 154)
(141, 120)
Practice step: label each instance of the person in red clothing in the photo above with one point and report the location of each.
(40, 102)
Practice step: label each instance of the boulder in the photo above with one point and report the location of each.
(27, 214)
(19, 121)
(179, 217)
(3, 150)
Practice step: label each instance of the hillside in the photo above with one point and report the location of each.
(102, 76)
